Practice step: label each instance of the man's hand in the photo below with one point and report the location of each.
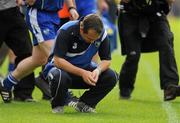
(88, 78)
(95, 74)
(74, 14)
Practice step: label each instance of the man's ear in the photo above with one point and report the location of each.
(81, 25)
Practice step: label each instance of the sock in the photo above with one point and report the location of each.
(10, 67)
(9, 82)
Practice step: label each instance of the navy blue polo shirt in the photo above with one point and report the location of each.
(73, 48)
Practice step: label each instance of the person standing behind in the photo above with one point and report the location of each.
(43, 22)
(143, 27)
(70, 64)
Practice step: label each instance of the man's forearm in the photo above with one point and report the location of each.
(70, 3)
(72, 9)
(103, 65)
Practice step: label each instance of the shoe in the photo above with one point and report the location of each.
(59, 109)
(171, 92)
(125, 93)
(43, 86)
(5, 94)
(71, 100)
(82, 107)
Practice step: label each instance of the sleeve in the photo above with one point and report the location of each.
(104, 50)
(61, 44)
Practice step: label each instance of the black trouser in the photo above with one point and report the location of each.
(15, 34)
(3, 51)
(61, 81)
(159, 34)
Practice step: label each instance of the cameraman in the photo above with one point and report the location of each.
(143, 27)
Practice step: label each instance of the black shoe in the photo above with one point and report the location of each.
(171, 92)
(71, 100)
(125, 93)
(82, 107)
(5, 94)
(44, 87)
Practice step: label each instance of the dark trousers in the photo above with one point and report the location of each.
(15, 34)
(159, 35)
(3, 51)
(61, 81)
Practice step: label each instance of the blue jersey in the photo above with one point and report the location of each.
(48, 5)
(73, 48)
(85, 7)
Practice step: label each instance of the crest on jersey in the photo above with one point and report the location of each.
(46, 31)
(97, 44)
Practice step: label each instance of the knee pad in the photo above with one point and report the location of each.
(57, 76)
(54, 75)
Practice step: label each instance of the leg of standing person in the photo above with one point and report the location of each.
(131, 46)
(27, 65)
(168, 68)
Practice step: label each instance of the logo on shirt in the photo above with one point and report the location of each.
(74, 45)
(97, 44)
(46, 31)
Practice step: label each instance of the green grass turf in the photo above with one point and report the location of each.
(146, 105)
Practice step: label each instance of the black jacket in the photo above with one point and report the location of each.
(142, 7)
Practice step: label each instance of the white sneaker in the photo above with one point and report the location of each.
(58, 109)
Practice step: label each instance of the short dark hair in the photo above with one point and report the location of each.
(92, 21)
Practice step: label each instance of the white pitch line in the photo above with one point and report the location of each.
(171, 113)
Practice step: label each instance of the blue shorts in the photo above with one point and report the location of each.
(42, 24)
